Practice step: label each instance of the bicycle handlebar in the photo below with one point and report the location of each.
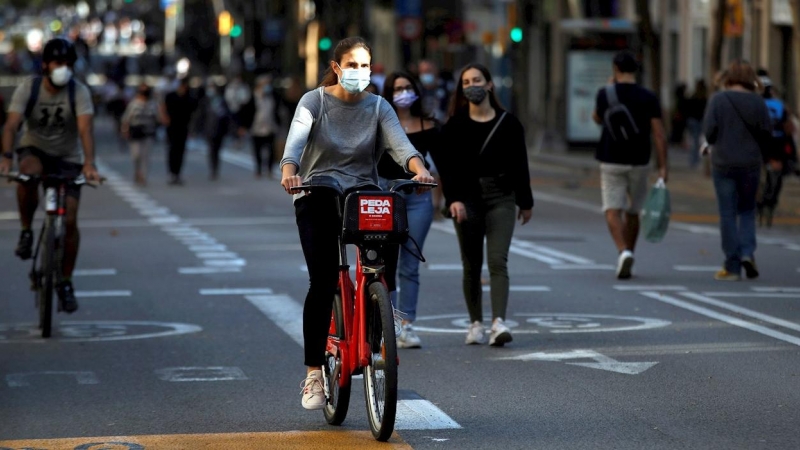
(394, 186)
(77, 181)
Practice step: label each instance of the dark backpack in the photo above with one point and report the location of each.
(618, 118)
(34, 97)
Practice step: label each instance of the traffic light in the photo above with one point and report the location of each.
(325, 44)
(225, 24)
(236, 31)
(516, 34)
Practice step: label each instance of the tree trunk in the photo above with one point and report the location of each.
(718, 30)
(651, 42)
(796, 52)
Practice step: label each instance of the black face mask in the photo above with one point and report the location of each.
(475, 94)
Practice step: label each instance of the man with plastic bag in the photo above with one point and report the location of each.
(629, 115)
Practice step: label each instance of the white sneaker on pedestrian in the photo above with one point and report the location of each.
(624, 265)
(476, 334)
(313, 392)
(408, 338)
(500, 334)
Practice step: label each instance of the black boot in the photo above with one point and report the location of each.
(24, 245)
(66, 295)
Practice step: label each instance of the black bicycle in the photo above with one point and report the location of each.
(51, 241)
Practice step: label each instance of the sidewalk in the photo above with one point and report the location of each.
(575, 173)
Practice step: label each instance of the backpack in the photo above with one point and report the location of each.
(777, 114)
(618, 119)
(34, 97)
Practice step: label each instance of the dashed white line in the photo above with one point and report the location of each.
(237, 291)
(93, 272)
(696, 268)
(207, 270)
(87, 294)
(632, 287)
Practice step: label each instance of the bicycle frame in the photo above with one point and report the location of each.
(356, 353)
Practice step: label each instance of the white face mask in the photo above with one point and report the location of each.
(61, 76)
(354, 81)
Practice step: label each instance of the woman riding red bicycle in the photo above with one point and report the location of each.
(339, 131)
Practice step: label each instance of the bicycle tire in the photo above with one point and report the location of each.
(47, 273)
(338, 401)
(380, 377)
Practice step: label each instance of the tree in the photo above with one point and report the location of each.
(796, 49)
(651, 42)
(718, 24)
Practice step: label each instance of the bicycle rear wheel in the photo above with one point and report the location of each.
(380, 377)
(47, 272)
(338, 396)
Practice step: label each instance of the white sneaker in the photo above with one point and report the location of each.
(408, 338)
(313, 392)
(624, 265)
(500, 334)
(476, 334)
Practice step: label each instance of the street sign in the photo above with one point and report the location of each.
(409, 28)
(164, 4)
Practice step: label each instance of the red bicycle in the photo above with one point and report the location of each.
(361, 338)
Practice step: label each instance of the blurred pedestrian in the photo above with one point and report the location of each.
(402, 91)
(176, 113)
(237, 95)
(485, 173)
(781, 153)
(138, 126)
(679, 115)
(434, 91)
(695, 110)
(263, 119)
(217, 124)
(738, 126)
(629, 115)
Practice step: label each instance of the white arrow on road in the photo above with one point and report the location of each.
(602, 362)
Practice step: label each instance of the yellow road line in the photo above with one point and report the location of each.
(292, 440)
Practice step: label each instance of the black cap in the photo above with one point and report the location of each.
(60, 50)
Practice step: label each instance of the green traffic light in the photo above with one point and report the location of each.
(236, 31)
(516, 34)
(325, 44)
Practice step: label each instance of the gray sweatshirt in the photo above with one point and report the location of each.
(345, 140)
(734, 145)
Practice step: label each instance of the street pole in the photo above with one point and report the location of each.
(225, 51)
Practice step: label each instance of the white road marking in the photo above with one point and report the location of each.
(422, 415)
(448, 267)
(754, 294)
(165, 220)
(602, 362)
(225, 262)
(552, 323)
(282, 310)
(93, 331)
(644, 287)
(87, 294)
(207, 270)
(723, 317)
(16, 380)
(241, 221)
(521, 288)
(743, 311)
(208, 248)
(9, 215)
(217, 255)
(237, 291)
(552, 252)
(696, 268)
(93, 272)
(184, 374)
(775, 289)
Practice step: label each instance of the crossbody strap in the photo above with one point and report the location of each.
(746, 124)
(488, 138)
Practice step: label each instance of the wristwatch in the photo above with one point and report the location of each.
(8, 155)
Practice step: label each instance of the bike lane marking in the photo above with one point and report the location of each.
(414, 413)
(558, 323)
(93, 272)
(175, 226)
(291, 440)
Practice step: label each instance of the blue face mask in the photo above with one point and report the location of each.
(354, 81)
(427, 79)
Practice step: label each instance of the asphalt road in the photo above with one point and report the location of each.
(188, 334)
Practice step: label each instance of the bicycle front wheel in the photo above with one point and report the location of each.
(380, 377)
(338, 389)
(47, 272)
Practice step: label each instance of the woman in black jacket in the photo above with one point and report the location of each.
(484, 169)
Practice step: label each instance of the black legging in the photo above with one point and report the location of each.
(214, 147)
(259, 142)
(317, 222)
(177, 147)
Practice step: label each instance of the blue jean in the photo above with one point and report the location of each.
(736, 190)
(419, 209)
